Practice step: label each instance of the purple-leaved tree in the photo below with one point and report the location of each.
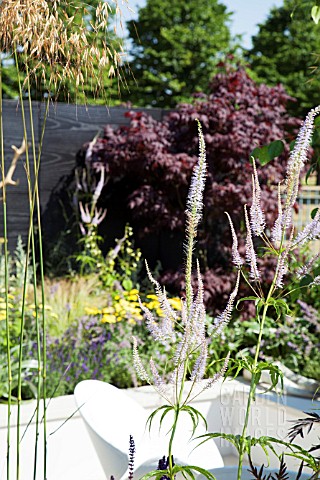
(149, 164)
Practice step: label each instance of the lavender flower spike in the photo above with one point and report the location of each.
(296, 162)
(157, 380)
(305, 269)
(250, 253)
(218, 375)
(221, 320)
(199, 368)
(283, 263)
(158, 333)
(310, 231)
(276, 233)
(236, 259)
(257, 217)
(195, 196)
(138, 365)
(169, 314)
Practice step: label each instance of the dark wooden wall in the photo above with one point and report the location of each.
(67, 128)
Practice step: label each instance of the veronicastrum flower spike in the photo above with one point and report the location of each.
(194, 210)
(190, 347)
(257, 217)
(305, 269)
(298, 158)
(310, 231)
(250, 252)
(236, 259)
(223, 319)
(283, 263)
(276, 232)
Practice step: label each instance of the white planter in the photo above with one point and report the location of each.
(230, 473)
(71, 455)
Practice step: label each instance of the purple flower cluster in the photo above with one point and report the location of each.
(87, 349)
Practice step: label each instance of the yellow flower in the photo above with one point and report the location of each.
(3, 305)
(159, 312)
(132, 297)
(109, 319)
(2, 316)
(175, 303)
(46, 307)
(152, 305)
(92, 311)
(9, 296)
(134, 291)
(152, 297)
(107, 310)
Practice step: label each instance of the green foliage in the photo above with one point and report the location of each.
(28, 367)
(176, 48)
(119, 267)
(285, 50)
(268, 152)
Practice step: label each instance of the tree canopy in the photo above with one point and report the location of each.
(286, 49)
(176, 46)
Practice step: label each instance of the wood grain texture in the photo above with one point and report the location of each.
(68, 127)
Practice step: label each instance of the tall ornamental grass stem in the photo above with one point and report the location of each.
(33, 194)
(6, 277)
(41, 361)
(30, 241)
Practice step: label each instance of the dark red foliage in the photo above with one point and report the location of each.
(153, 161)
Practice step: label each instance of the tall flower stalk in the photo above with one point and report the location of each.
(187, 334)
(57, 48)
(283, 241)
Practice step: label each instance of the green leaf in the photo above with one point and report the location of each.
(261, 154)
(255, 299)
(306, 281)
(154, 473)
(292, 144)
(127, 284)
(189, 468)
(275, 148)
(194, 413)
(315, 14)
(310, 171)
(153, 414)
(314, 213)
(294, 295)
(233, 439)
(268, 152)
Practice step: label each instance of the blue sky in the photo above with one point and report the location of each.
(247, 14)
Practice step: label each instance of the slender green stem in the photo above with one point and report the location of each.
(6, 277)
(41, 267)
(35, 296)
(173, 431)
(252, 391)
(29, 242)
(253, 384)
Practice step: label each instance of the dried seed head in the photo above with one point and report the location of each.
(58, 43)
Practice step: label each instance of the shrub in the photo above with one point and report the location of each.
(149, 165)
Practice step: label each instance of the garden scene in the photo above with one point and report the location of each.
(160, 241)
